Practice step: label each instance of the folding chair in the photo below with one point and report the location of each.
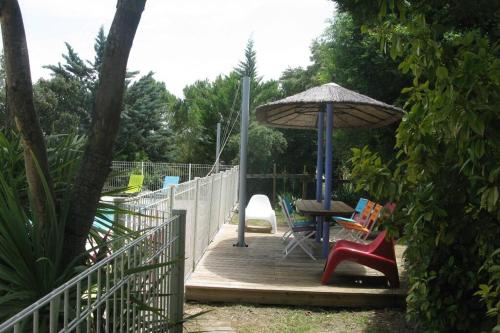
(296, 223)
(362, 229)
(299, 235)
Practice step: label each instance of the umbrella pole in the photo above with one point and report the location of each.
(319, 172)
(245, 106)
(328, 176)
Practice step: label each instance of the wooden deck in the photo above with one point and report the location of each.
(258, 274)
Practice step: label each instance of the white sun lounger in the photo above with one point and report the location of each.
(259, 208)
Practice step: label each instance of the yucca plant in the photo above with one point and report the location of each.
(30, 253)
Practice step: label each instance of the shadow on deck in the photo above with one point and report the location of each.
(259, 274)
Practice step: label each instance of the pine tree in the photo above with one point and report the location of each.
(100, 43)
(248, 66)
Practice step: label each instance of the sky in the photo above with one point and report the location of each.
(182, 41)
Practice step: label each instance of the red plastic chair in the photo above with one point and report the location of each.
(378, 255)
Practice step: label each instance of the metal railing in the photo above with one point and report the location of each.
(154, 173)
(209, 202)
(139, 288)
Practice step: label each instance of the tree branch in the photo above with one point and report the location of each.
(96, 161)
(19, 90)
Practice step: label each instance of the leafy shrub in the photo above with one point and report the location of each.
(31, 251)
(446, 178)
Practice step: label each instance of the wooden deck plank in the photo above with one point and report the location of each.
(259, 274)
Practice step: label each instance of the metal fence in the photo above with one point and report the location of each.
(140, 286)
(209, 202)
(154, 173)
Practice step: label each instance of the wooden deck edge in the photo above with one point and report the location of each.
(289, 297)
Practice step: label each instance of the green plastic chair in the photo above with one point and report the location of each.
(135, 184)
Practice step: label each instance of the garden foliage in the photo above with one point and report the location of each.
(446, 178)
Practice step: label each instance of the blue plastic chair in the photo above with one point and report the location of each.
(170, 180)
(358, 210)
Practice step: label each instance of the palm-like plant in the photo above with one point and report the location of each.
(30, 253)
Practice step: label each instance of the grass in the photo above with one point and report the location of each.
(289, 319)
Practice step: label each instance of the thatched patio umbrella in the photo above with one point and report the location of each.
(344, 109)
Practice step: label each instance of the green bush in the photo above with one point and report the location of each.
(446, 178)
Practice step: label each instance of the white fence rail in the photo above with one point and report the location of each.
(155, 172)
(209, 203)
(140, 286)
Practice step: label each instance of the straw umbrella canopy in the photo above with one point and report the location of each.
(344, 109)
(351, 109)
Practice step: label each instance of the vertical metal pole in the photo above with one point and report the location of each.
(189, 171)
(171, 200)
(319, 172)
(328, 175)
(195, 216)
(319, 159)
(178, 283)
(274, 183)
(245, 106)
(217, 149)
(304, 183)
(220, 201)
(210, 219)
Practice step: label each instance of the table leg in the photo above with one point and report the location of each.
(326, 238)
(319, 223)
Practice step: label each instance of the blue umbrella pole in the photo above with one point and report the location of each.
(328, 175)
(319, 171)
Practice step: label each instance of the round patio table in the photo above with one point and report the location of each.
(316, 208)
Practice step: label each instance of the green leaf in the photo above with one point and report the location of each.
(441, 73)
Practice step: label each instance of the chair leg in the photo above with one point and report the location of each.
(286, 235)
(392, 275)
(294, 242)
(331, 263)
(307, 250)
(299, 240)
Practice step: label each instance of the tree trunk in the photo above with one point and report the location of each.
(96, 161)
(19, 90)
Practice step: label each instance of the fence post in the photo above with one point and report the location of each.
(189, 172)
(171, 200)
(304, 183)
(210, 222)
(284, 180)
(220, 199)
(195, 224)
(177, 308)
(274, 184)
(142, 168)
